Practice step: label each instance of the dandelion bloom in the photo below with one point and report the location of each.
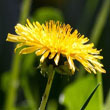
(54, 39)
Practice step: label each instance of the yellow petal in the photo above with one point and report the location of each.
(40, 52)
(92, 69)
(85, 40)
(87, 69)
(52, 55)
(12, 38)
(28, 50)
(15, 38)
(85, 63)
(74, 34)
(38, 25)
(100, 69)
(98, 57)
(56, 59)
(95, 62)
(71, 63)
(20, 29)
(94, 51)
(18, 46)
(30, 25)
(44, 56)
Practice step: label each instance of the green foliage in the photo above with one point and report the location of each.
(25, 107)
(77, 92)
(5, 80)
(27, 65)
(107, 103)
(89, 98)
(47, 13)
(52, 105)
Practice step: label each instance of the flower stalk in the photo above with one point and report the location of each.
(100, 90)
(47, 89)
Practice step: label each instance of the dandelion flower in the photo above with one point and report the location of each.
(53, 39)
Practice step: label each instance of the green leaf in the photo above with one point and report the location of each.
(107, 103)
(89, 98)
(25, 107)
(52, 105)
(47, 13)
(75, 94)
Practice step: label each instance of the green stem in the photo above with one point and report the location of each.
(25, 9)
(14, 82)
(47, 91)
(100, 90)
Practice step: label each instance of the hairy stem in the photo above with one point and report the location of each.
(47, 91)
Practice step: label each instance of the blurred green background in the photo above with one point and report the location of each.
(22, 85)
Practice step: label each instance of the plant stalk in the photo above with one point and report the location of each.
(100, 90)
(47, 91)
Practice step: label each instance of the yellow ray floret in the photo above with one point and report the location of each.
(54, 39)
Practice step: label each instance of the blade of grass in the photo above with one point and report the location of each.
(89, 98)
(100, 22)
(14, 82)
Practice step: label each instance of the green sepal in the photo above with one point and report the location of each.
(45, 69)
(63, 69)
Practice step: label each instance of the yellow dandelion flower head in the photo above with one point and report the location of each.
(54, 39)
